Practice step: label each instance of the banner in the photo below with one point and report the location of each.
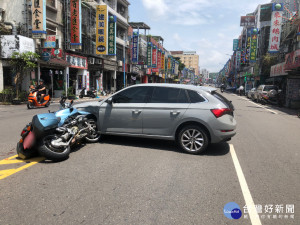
(235, 44)
(112, 35)
(149, 54)
(253, 46)
(135, 47)
(163, 60)
(275, 30)
(278, 70)
(169, 63)
(101, 30)
(159, 59)
(39, 19)
(75, 7)
(154, 57)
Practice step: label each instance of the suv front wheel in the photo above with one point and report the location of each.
(192, 139)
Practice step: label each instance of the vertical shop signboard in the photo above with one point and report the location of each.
(235, 44)
(75, 7)
(173, 66)
(112, 35)
(253, 46)
(135, 47)
(38, 19)
(159, 59)
(101, 30)
(154, 57)
(149, 54)
(275, 30)
(163, 60)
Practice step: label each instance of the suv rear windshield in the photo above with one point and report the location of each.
(223, 100)
(269, 88)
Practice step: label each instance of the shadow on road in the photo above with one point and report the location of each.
(164, 145)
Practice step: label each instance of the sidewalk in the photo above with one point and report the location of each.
(56, 100)
(84, 99)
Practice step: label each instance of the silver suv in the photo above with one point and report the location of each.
(262, 91)
(192, 116)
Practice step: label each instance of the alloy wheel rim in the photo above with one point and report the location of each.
(192, 140)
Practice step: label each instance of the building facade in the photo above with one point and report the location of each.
(189, 58)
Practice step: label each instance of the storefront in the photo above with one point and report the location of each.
(78, 76)
(53, 74)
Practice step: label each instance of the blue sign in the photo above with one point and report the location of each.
(45, 56)
(135, 47)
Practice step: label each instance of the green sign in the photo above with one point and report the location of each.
(149, 54)
(253, 47)
(112, 36)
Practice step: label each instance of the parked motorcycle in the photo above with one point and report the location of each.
(85, 93)
(53, 134)
(34, 100)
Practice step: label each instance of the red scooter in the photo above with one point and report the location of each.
(33, 100)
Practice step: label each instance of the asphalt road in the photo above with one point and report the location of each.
(141, 181)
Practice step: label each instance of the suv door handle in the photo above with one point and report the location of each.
(174, 113)
(136, 111)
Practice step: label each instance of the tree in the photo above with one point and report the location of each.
(181, 65)
(268, 61)
(22, 63)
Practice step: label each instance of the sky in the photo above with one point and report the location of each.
(205, 26)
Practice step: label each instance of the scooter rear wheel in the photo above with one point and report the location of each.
(52, 153)
(30, 105)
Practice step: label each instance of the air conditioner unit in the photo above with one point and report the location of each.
(91, 60)
(120, 63)
(97, 61)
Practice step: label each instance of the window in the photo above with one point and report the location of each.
(133, 95)
(195, 97)
(169, 95)
(51, 3)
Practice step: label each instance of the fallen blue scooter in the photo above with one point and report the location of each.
(52, 134)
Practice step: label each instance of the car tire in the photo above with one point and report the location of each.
(192, 139)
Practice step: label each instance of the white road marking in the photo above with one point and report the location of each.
(258, 105)
(254, 217)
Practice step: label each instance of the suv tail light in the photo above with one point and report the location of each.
(220, 112)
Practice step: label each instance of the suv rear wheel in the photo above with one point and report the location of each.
(192, 139)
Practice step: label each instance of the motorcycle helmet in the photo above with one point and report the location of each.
(41, 80)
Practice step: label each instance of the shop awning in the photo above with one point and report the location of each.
(55, 62)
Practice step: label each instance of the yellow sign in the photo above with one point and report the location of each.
(163, 61)
(101, 30)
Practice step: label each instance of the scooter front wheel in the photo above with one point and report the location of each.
(47, 104)
(80, 96)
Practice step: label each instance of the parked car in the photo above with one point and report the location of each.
(263, 90)
(250, 93)
(193, 116)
